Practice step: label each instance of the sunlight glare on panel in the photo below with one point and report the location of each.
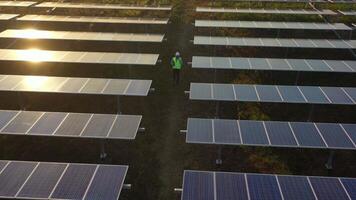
(32, 34)
(34, 55)
(35, 82)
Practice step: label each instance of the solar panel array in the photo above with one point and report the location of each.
(17, 3)
(34, 55)
(271, 25)
(101, 6)
(5, 17)
(271, 133)
(95, 86)
(245, 63)
(273, 93)
(89, 19)
(72, 35)
(61, 124)
(265, 11)
(49, 180)
(275, 42)
(207, 185)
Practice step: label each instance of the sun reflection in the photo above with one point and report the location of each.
(34, 55)
(33, 34)
(35, 82)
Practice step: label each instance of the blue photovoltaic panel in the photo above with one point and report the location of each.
(226, 131)
(291, 94)
(351, 130)
(328, 188)
(263, 187)
(198, 186)
(313, 94)
(245, 93)
(268, 93)
(74, 182)
(350, 185)
(253, 132)
(107, 183)
(2, 165)
(352, 93)
(336, 95)
(230, 186)
(307, 135)
(200, 91)
(334, 135)
(47, 124)
(295, 188)
(280, 133)
(223, 92)
(200, 130)
(5, 117)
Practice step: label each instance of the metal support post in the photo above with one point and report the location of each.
(103, 153)
(118, 105)
(218, 160)
(297, 78)
(329, 163)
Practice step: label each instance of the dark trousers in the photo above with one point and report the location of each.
(176, 76)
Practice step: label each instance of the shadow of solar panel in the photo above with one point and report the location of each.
(291, 94)
(125, 127)
(307, 135)
(350, 185)
(351, 131)
(226, 132)
(198, 186)
(328, 188)
(74, 182)
(200, 131)
(107, 183)
(334, 135)
(295, 188)
(230, 186)
(253, 132)
(47, 124)
(201, 91)
(314, 94)
(263, 187)
(336, 95)
(99, 125)
(42, 181)
(223, 92)
(280, 133)
(245, 93)
(14, 176)
(22, 122)
(73, 124)
(268, 93)
(5, 117)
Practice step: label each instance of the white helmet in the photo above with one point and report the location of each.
(177, 53)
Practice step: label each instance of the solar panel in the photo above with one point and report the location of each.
(33, 55)
(275, 42)
(89, 19)
(273, 93)
(271, 133)
(202, 185)
(17, 3)
(7, 16)
(347, 13)
(265, 11)
(102, 6)
(271, 25)
(79, 125)
(72, 35)
(49, 180)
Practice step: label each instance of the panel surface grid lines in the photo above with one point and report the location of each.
(271, 133)
(199, 185)
(59, 85)
(273, 93)
(265, 11)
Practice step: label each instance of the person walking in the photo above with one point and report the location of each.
(177, 64)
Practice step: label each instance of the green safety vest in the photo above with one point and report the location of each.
(177, 63)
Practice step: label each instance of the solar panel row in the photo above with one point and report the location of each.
(266, 11)
(271, 25)
(245, 63)
(271, 133)
(17, 3)
(44, 180)
(89, 19)
(101, 6)
(34, 55)
(347, 13)
(84, 125)
(72, 35)
(275, 42)
(273, 93)
(205, 185)
(7, 16)
(51, 84)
